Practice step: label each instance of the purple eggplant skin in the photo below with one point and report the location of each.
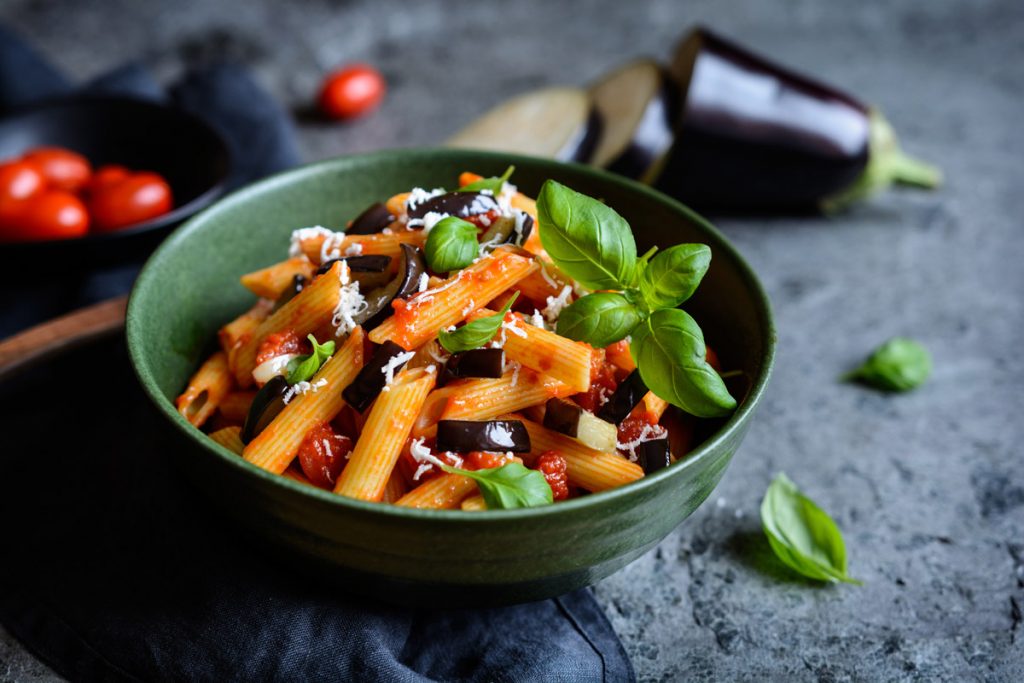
(755, 136)
(370, 381)
(477, 363)
(410, 268)
(497, 436)
(460, 204)
(581, 149)
(373, 220)
(266, 405)
(626, 397)
(654, 455)
(371, 263)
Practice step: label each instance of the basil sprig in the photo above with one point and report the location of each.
(510, 486)
(593, 244)
(475, 334)
(801, 534)
(494, 183)
(451, 245)
(899, 364)
(302, 368)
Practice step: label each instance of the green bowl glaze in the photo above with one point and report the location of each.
(190, 287)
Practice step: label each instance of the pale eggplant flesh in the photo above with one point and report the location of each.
(565, 417)
(370, 380)
(411, 267)
(503, 230)
(496, 436)
(626, 396)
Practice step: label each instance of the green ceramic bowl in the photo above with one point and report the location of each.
(189, 288)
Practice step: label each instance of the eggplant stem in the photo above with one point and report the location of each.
(906, 170)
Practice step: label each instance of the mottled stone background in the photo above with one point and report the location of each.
(928, 487)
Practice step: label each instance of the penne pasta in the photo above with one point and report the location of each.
(306, 312)
(417, 320)
(230, 438)
(235, 406)
(295, 474)
(654, 405)
(275, 447)
(395, 488)
(544, 282)
(546, 352)
(271, 281)
(205, 391)
(587, 468)
(384, 435)
(442, 493)
(384, 243)
(619, 355)
(242, 327)
(474, 503)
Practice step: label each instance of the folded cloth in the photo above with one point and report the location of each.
(116, 570)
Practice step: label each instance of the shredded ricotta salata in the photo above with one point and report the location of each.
(422, 455)
(350, 303)
(555, 304)
(329, 247)
(648, 433)
(393, 364)
(300, 388)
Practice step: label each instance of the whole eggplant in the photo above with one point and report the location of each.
(753, 135)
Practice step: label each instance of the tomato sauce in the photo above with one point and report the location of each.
(278, 344)
(602, 383)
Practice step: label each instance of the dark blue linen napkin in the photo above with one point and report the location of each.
(117, 570)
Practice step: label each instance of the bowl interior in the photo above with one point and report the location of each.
(190, 286)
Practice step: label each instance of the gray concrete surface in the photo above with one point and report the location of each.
(928, 487)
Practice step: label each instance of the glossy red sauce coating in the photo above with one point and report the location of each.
(279, 343)
(554, 468)
(408, 466)
(483, 460)
(602, 383)
(483, 225)
(633, 426)
(322, 455)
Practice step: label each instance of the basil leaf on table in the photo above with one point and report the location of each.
(510, 486)
(588, 240)
(451, 245)
(801, 534)
(672, 276)
(302, 368)
(899, 364)
(669, 351)
(599, 319)
(475, 334)
(494, 184)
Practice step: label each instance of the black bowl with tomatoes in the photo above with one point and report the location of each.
(137, 168)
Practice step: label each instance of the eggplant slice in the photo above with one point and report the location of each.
(620, 404)
(638, 105)
(266, 405)
(373, 220)
(410, 267)
(503, 230)
(460, 204)
(497, 436)
(566, 417)
(654, 455)
(371, 378)
(477, 363)
(558, 123)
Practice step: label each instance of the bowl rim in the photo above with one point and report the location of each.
(706, 450)
(177, 213)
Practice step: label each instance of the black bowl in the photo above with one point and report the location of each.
(141, 135)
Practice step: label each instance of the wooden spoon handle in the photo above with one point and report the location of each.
(24, 349)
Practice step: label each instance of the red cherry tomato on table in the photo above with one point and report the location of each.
(105, 175)
(136, 198)
(62, 168)
(19, 180)
(47, 215)
(353, 91)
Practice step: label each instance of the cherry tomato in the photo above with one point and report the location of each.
(353, 91)
(62, 168)
(105, 175)
(19, 180)
(322, 454)
(136, 198)
(48, 215)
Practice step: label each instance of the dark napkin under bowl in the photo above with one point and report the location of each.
(190, 287)
(142, 135)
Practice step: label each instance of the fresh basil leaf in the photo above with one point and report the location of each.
(669, 351)
(451, 245)
(802, 535)
(475, 334)
(302, 368)
(672, 276)
(899, 364)
(510, 486)
(586, 239)
(494, 184)
(599, 319)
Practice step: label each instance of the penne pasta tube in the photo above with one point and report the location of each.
(618, 354)
(304, 313)
(275, 447)
(205, 391)
(474, 503)
(229, 438)
(586, 467)
(654, 405)
(243, 326)
(546, 352)
(395, 488)
(324, 245)
(441, 493)
(396, 204)
(235, 406)
(417, 320)
(296, 474)
(271, 281)
(542, 283)
(384, 435)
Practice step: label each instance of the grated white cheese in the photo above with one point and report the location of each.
(354, 249)
(537, 319)
(556, 304)
(515, 372)
(648, 433)
(395, 363)
(544, 274)
(513, 327)
(300, 388)
(484, 220)
(520, 217)
(418, 195)
(424, 282)
(431, 219)
(486, 247)
(350, 303)
(422, 455)
(440, 358)
(301, 235)
(508, 191)
(470, 307)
